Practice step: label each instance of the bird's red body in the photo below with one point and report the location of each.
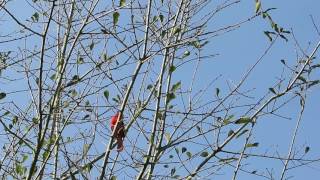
(119, 132)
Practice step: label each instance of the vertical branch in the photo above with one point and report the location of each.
(157, 108)
(40, 111)
(235, 173)
(302, 103)
(56, 100)
(56, 159)
(155, 117)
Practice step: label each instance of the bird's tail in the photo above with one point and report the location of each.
(120, 137)
(120, 144)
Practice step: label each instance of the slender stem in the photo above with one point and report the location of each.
(242, 153)
(155, 119)
(293, 139)
(40, 112)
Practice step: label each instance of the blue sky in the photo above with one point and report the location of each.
(241, 48)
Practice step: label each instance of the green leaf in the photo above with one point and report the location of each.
(307, 149)
(196, 44)
(155, 18)
(189, 154)
(122, 3)
(203, 44)
(14, 119)
(106, 94)
(35, 17)
(113, 178)
(302, 79)
(268, 34)
(264, 15)
(198, 129)
(89, 109)
(243, 120)
(24, 157)
(167, 136)
(286, 32)
(2, 95)
(252, 145)
(53, 139)
(149, 87)
(276, 28)
(177, 150)
(74, 93)
(104, 31)
(66, 104)
(176, 30)
(163, 33)
(173, 170)
(115, 18)
(231, 132)
(86, 116)
(183, 149)
(170, 96)
(105, 57)
(86, 148)
(176, 86)
(258, 6)
(91, 46)
(315, 66)
(227, 120)
(312, 83)
(172, 68)
(75, 79)
(6, 113)
(20, 169)
(272, 90)
(45, 155)
(217, 91)
(159, 115)
(37, 81)
(186, 54)
(115, 100)
(88, 167)
(35, 120)
(53, 77)
(204, 154)
(161, 17)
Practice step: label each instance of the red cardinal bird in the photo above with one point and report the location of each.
(119, 132)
